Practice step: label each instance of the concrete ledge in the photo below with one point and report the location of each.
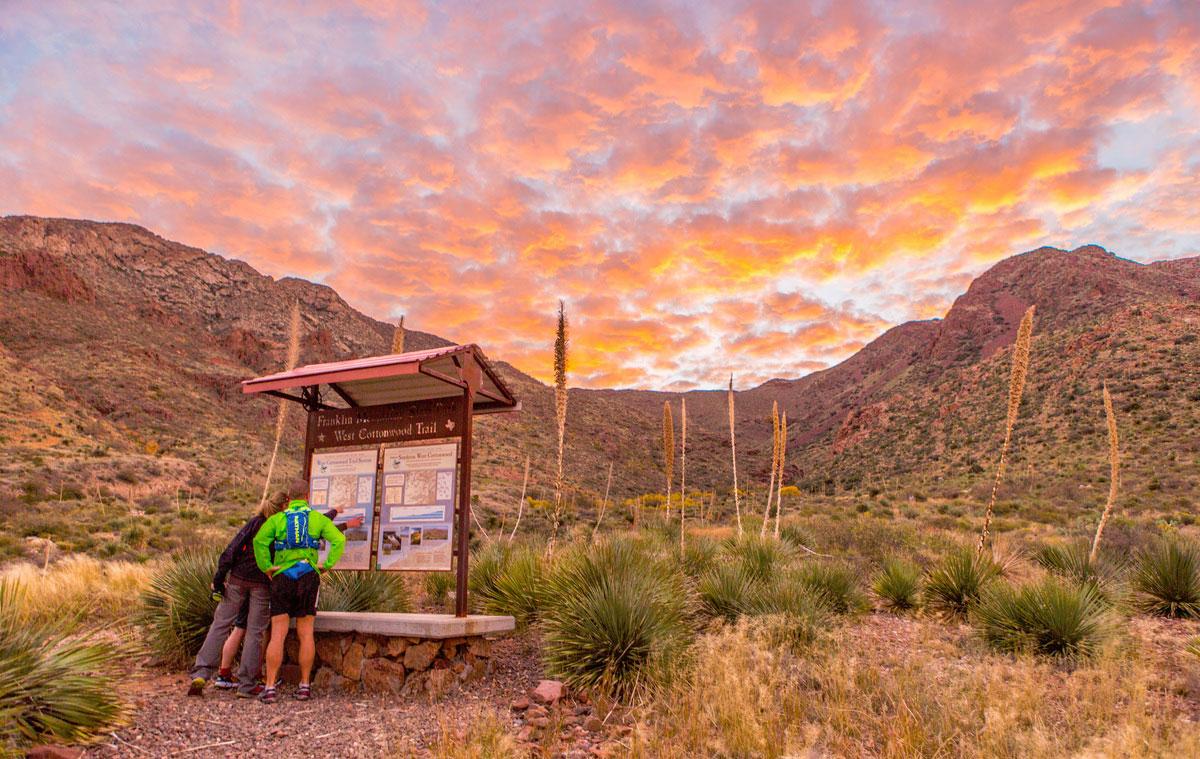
(434, 626)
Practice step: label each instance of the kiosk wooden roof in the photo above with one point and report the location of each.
(390, 379)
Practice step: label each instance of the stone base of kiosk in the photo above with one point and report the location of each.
(403, 654)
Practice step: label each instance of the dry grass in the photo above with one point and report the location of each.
(910, 688)
(1114, 475)
(1016, 388)
(79, 586)
(484, 737)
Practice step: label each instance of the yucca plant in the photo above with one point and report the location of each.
(507, 580)
(1049, 618)
(956, 583)
(58, 681)
(1166, 580)
(758, 555)
(1075, 563)
(615, 619)
(437, 587)
(833, 586)
(178, 607)
(698, 556)
(729, 591)
(364, 591)
(898, 585)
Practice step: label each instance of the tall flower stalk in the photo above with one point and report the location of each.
(682, 466)
(782, 461)
(521, 503)
(398, 336)
(1016, 388)
(774, 466)
(737, 503)
(293, 358)
(604, 503)
(1114, 473)
(668, 442)
(560, 409)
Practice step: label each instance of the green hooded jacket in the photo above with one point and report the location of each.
(319, 526)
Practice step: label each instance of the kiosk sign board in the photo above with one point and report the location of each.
(345, 480)
(417, 511)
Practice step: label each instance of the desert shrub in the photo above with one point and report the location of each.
(56, 680)
(615, 618)
(363, 591)
(507, 579)
(437, 586)
(1050, 617)
(898, 585)
(954, 585)
(1167, 580)
(699, 555)
(178, 606)
(759, 556)
(728, 591)
(834, 587)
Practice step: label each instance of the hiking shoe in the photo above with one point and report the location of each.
(269, 696)
(303, 693)
(225, 683)
(254, 692)
(196, 688)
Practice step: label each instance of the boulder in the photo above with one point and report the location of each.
(326, 679)
(381, 675)
(520, 704)
(593, 724)
(547, 692)
(370, 647)
(420, 656)
(396, 647)
(351, 666)
(329, 650)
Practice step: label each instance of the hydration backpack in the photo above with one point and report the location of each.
(296, 532)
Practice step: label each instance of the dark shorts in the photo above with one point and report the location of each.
(295, 598)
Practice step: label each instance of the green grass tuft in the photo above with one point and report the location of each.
(1049, 618)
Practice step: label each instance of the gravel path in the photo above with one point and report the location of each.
(166, 722)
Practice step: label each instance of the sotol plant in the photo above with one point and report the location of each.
(178, 607)
(898, 585)
(57, 680)
(1050, 618)
(956, 584)
(365, 591)
(1016, 388)
(1167, 580)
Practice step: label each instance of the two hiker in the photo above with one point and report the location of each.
(269, 569)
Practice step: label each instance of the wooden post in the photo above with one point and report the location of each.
(463, 527)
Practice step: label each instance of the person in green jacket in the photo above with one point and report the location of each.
(295, 571)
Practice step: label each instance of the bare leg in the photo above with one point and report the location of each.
(308, 649)
(279, 631)
(230, 649)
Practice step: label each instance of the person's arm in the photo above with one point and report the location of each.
(262, 545)
(225, 563)
(337, 543)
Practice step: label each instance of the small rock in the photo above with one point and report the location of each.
(381, 675)
(329, 650)
(420, 656)
(520, 704)
(352, 661)
(548, 692)
(539, 721)
(396, 647)
(593, 724)
(538, 711)
(582, 709)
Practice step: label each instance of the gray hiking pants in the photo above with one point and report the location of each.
(237, 593)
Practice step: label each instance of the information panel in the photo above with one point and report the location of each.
(417, 512)
(346, 481)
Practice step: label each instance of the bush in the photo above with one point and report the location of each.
(834, 587)
(898, 585)
(363, 591)
(55, 681)
(728, 591)
(955, 585)
(507, 579)
(615, 619)
(1167, 580)
(438, 586)
(1050, 618)
(178, 607)
(759, 556)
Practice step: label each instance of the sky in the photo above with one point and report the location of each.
(755, 188)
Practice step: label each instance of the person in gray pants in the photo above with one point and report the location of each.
(240, 583)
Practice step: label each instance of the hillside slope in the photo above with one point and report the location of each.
(121, 352)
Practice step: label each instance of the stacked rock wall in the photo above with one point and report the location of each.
(382, 664)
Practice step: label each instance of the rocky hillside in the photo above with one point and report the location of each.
(120, 354)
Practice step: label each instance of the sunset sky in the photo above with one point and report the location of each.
(752, 187)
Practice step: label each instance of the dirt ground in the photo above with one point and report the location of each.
(165, 722)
